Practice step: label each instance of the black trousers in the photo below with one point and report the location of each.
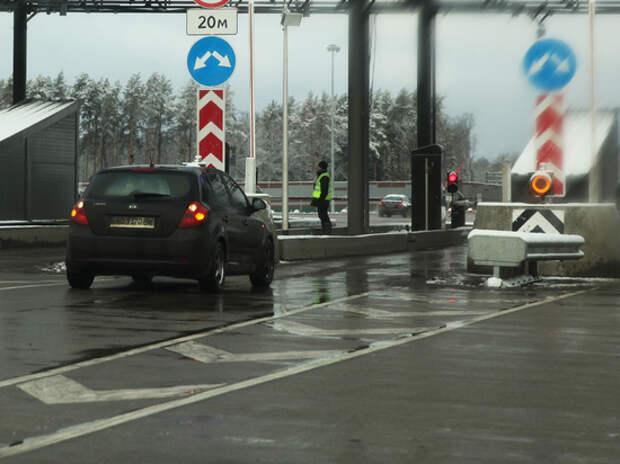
(326, 224)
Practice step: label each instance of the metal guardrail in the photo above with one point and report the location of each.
(506, 249)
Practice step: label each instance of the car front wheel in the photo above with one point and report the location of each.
(263, 275)
(213, 280)
(80, 280)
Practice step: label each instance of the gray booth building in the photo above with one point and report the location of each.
(38, 160)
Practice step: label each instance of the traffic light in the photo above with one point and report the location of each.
(540, 183)
(452, 184)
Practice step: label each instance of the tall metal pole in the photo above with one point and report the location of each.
(250, 161)
(594, 180)
(333, 49)
(359, 79)
(420, 194)
(20, 35)
(285, 123)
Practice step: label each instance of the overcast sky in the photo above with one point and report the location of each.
(479, 58)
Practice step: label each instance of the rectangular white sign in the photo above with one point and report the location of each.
(202, 21)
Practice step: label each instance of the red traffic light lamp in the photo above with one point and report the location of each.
(452, 184)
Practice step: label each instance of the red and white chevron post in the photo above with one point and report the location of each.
(211, 132)
(549, 123)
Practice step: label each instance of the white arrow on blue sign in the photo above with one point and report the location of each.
(211, 61)
(549, 64)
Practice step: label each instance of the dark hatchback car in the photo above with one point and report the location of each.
(176, 221)
(395, 204)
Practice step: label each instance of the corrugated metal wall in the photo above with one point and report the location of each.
(52, 154)
(12, 177)
(37, 175)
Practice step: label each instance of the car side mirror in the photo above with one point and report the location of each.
(258, 204)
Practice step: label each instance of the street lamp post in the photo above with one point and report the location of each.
(333, 49)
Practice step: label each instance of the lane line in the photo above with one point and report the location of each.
(4, 282)
(62, 390)
(51, 283)
(167, 343)
(19, 287)
(88, 428)
(305, 330)
(374, 313)
(207, 354)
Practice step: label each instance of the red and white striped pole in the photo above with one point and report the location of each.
(211, 135)
(549, 148)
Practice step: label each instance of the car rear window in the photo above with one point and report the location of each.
(395, 197)
(141, 185)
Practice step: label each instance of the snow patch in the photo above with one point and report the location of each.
(494, 282)
(55, 268)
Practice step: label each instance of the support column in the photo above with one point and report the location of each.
(357, 201)
(20, 19)
(426, 128)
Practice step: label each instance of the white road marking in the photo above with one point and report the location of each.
(383, 314)
(309, 331)
(50, 283)
(167, 343)
(5, 282)
(61, 390)
(207, 354)
(19, 287)
(88, 428)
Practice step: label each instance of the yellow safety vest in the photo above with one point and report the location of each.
(317, 187)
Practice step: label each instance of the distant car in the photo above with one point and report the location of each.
(177, 221)
(395, 204)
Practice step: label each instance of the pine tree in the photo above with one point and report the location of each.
(185, 109)
(133, 111)
(159, 116)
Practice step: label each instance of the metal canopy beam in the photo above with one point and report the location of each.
(533, 8)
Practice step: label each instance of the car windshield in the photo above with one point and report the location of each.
(140, 185)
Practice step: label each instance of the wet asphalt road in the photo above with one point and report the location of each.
(400, 358)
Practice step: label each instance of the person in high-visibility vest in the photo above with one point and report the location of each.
(321, 195)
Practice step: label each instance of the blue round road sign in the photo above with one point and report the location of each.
(549, 64)
(211, 61)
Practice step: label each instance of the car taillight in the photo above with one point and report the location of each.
(194, 215)
(78, 213)
(380, 203)
(400, 204)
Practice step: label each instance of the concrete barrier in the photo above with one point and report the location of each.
(598, 224)
(298, 247)
(32, 235)
(290, 247)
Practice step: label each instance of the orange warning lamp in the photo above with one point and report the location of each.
(540, 183)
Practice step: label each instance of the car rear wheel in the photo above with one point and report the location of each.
(80, 280)
(213, 280)
(263, 275)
